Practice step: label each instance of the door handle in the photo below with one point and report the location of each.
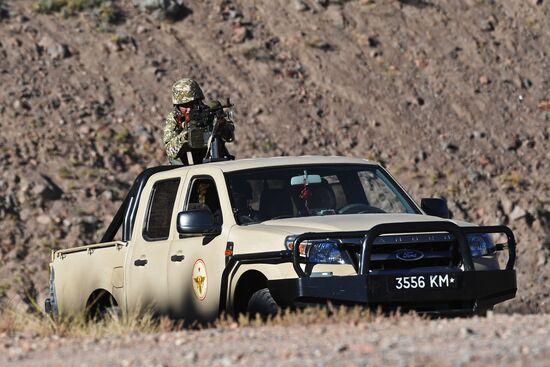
(140, 262)
(177, 258)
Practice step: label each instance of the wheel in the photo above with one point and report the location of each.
(482, 312)
(109, 313)
(262, 303)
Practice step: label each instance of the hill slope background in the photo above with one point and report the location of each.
(453, 98)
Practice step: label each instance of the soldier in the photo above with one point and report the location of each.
(194, 131)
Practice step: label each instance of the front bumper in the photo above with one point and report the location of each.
(476, 290)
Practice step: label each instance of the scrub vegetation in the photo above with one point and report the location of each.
(107, 11)
(13, 322)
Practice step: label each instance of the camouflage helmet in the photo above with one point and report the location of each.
(185, 91)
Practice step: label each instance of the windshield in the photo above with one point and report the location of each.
(263, 194)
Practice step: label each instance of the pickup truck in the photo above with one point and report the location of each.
(258, 235)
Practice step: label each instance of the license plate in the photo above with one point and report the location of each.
(428, 281)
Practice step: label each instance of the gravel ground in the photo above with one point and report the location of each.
(511, 340)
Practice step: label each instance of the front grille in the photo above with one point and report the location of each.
(414, 251)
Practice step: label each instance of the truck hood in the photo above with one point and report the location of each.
(346, 222)
(270, 235)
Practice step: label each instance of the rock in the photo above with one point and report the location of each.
(484, 80)
(162, 9)
(466, 331)
(373, 41)
(342, 348)
(478, 134)
(241, 34)
(90, 223)
(506, 206)
(517, 213)
(420, 156)
(4, 12)
(488, 25)
(21, 104)
(141, 29)
(319, 43)
(54, 49)
(475, 175)
(541, 258)
(526, 83)
(334, 13)
(300, 5)
(43, 219)
(107, 195)
(450, 147)
(191, 356)
(47, 190)
(514, 143)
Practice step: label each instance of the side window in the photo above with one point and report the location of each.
(204, 195)
(159, 210)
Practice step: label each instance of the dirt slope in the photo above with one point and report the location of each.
(452, 96)
(500, 340)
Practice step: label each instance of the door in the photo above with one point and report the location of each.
(196, 262)
(146, 266)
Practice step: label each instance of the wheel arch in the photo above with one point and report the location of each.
(248, 283)
(98, 301)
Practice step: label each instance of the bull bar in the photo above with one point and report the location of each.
(476, 290)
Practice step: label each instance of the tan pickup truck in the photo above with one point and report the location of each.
(257, 235)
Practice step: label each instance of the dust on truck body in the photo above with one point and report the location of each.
(254, 235)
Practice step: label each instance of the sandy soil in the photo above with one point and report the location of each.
(511, 340)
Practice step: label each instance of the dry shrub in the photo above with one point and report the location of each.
(14, 322)
(106, 10)
(39, 324)
(316, 315)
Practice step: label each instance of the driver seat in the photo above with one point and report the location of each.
(322, 197)
(275, 203)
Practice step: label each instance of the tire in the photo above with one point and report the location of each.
(482, 312)
(262, 303)
(111, 312)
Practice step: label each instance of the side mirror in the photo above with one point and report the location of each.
(197, 222)
(436, 207)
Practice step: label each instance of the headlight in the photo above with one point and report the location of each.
(320, 251)
(481, 244)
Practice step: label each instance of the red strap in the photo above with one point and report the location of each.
(305, 194)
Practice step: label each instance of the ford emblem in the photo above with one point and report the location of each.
(409, 255)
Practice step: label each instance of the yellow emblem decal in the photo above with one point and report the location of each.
(200, 281)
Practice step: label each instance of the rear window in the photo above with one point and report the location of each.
(159, 210)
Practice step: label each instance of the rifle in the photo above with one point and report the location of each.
(203, 113)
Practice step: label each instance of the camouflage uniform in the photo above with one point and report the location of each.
(175, 134)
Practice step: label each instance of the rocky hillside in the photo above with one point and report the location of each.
(452, 96)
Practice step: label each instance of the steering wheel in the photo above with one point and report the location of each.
(359, 208)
